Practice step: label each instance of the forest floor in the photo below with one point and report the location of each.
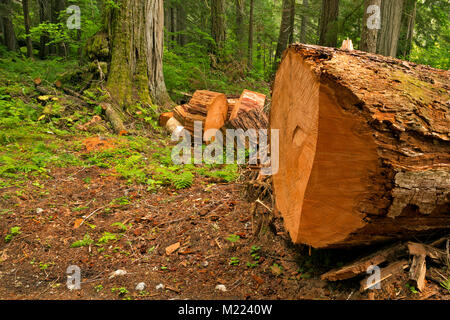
(105, 203)
(211, 223)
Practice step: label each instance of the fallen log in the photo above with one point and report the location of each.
(114, 118)
(364, 147)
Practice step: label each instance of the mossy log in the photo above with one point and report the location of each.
(364, 147)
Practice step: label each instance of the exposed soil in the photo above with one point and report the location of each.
(200, 219)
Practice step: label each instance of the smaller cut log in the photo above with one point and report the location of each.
(216, 116)
(417, 272)
(173, 124)
(164, 117)
(208, 107)
(231, 104)
(249, 100)
(361, 266)
(186, 118)
(385, 273)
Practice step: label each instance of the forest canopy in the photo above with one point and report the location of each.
(227, 44)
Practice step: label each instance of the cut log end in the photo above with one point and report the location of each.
(343, 178)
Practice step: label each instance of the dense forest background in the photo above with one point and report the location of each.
(227, 45)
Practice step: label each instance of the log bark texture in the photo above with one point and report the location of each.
(248, 101)
(364, 147)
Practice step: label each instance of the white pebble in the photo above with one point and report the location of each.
(117, 273)
(160, 286)
(221, 287)
(141, 286)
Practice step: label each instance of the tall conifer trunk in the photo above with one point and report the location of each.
(136, 44)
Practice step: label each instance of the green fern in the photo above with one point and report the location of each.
(179, 180)
(183, 180)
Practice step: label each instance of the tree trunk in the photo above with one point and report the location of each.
(391, 18)
(136, 44)
(305, 22)
(239, 28)
(250, 36)
(285, 31)
(8, 27)
(371, 25)
(181, 24)
(173, 24)
(292, 22)
(218, 31)
(407, 29)
(328, 27)
(44, 17)
(56, 7)
(364, 147)
(27, 23)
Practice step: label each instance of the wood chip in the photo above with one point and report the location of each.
(172, 248)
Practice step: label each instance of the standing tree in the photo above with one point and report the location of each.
(56, 7)
(27, 23)
(371, 25)
(305, 21)
(391, 19)
(328, 27)
(136, 32)
(44, 17)
(181, 23)
(250, 36)
(218, 29)
(239, 27)
(285, 31)
(407, 29)
(8, 27)
(292, 22)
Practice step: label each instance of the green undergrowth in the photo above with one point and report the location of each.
(189, 69)
(40, 133)
(141, 160)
